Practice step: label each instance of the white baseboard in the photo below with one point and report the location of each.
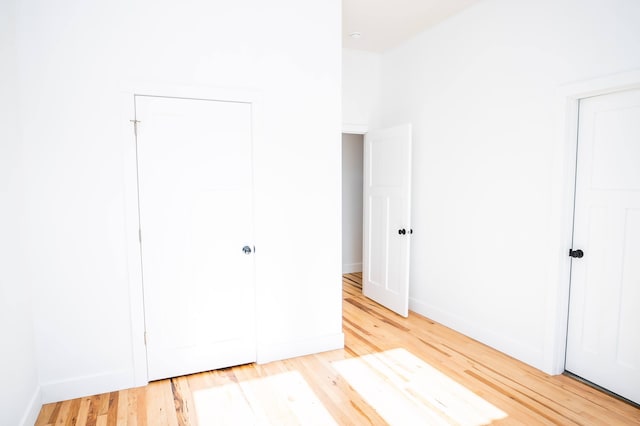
(33, 409)
(348, 268)
(274, 352)
(79, 387)
(517, 349)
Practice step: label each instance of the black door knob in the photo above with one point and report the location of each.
(576, 253)
(246, 249)
(402, 231)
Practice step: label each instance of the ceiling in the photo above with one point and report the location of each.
(384, 24)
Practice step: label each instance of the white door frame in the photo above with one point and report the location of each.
(353, 129)
(132, 218)
(359, 129)
(564, 171)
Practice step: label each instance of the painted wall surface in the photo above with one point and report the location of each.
(352, 163)
(360, 87)
(76, 59)
(19, 393)
(481, 92)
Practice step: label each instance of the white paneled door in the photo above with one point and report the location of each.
(603, 344)
(195, 192)
(387, 217)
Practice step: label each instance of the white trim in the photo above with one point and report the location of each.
(33, 409)
(277, 351)
(348, 268)
(139, 374)
(564, 164)
(354, 129)
(79, 387)
(194, 92)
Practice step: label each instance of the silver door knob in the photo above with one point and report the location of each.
(246, 250)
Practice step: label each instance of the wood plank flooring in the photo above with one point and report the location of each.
(393, 370)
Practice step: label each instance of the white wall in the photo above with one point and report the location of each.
(19, 393)
(360, 96)
(480, 90)
(352, 163)
(76, 59)
(360, 88)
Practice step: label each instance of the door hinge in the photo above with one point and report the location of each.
(140, 235)
(135, 126)
(145, 338)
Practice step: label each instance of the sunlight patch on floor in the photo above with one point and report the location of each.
(282, 399)
(405, 390)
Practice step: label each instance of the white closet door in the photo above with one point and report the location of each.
(387, 217)
(195, 191)
(603, 343)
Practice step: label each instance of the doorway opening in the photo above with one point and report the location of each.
(352, 213)
(385, 211)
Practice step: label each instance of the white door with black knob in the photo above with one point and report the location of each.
(387, 217)
(195, 200)
(603, 344)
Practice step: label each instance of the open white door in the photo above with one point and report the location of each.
(387, 217)
(603, 343)
(195, 190)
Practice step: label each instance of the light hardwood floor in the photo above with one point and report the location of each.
(392, 371)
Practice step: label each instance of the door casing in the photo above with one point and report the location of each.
(195, 187)
(564, 173)
(598, 183)
(132, 219)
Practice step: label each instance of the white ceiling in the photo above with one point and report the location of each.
(386, 23)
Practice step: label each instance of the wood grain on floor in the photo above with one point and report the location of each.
(393, 370)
